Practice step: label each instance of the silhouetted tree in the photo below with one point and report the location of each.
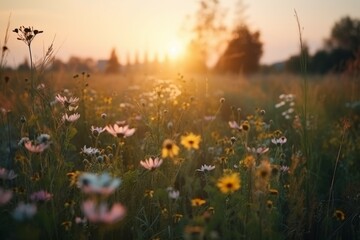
(242, 53)
(113, 65)
(208, 32)
(345, 34)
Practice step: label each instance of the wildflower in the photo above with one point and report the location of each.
(100, 184)
(96, 131)
(120, 131)
(229, 183)
(73, 176)
(249, 161)
(7, 175)
(269, 204)
(259, 150)
(70, 118)
(26, 34)
(90, 151)
(22, 141)
(79, 220)
(284, 169)
(36, 148)
(264, 169)
(222, 100)
(206, 168)
(69, 203)
(273, 191)
(101, 213)
(209, 118)
(234, 125)
(196, 202)
(151, 164)
(41, 196)
(340, 215)
(245, 126)
(24, 211)
(177, 217)
(191, 141)
(43, 138)
(66, 225)
(170, 149)
(173, 194)
(279, 141)
(5, 196)
(67, 102)
(149, 193)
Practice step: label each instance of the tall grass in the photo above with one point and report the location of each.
(242, 158)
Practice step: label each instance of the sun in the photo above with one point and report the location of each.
(175, 50)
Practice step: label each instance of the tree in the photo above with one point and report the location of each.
(345, 34)
(113, 65)
(208, 32)
(242, 53)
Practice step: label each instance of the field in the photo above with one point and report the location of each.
(178, 156)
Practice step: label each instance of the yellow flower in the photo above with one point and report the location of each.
(340, 215)
(177, 217)
(196, 202)
(73, 177)
(191, 141)
(249, 161)
(66, 225)
(273, 191)
(245, 126)
(170, 149)
(149, 193)
(229, 183)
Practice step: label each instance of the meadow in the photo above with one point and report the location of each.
(179, 156)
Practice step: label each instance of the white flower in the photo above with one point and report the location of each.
(174, 194)
(120, 131)
(259, 150)
(279, 141)
(100, 184)
(90, 151)
(151, 164)
(24, 211)
(97, 130)
(206, 168)
(70, 118)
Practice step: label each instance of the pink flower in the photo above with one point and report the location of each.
(5, 196)
(65, 101)
(151, 164)
(234, 125)
(70, 118)
(101, 213)
(6, 174)
(36, 148)
(120, 131)
(41, 196)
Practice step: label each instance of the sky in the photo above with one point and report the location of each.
(91, 28)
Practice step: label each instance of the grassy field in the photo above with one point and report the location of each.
(178, 156)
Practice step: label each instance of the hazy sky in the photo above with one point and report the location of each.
(90, 28)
